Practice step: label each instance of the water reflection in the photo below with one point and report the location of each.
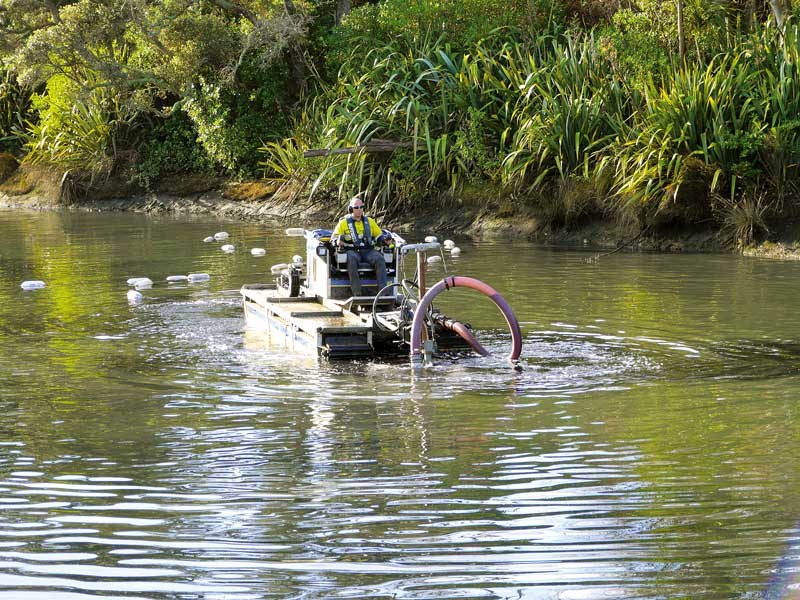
(161, 451)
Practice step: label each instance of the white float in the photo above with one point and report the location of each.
(431, 239)
(208, 239)
(174, 278)
(198, 277)
(143, 283)
(228, 248)
(221, 235)
(434, 259)
(134, 297)
(32, 285)
(455, 251)
(258, 251)
(448, 244)
(295, 231)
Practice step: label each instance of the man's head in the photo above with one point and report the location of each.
(356, 206)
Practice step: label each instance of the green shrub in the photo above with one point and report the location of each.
(15, 110)
(234, 121)
(78, 125)
(171, 148)
(462, 23)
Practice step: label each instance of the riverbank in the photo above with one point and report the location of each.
(255, 201)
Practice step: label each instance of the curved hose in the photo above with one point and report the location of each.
(463, 331)
(469, 282)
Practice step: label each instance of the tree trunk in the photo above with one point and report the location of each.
(681, 34)
(290, 7)
(294, 60)
(751, 15)
(297, 72)
(342, 10)
(779, 9)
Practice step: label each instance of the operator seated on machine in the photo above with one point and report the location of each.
(357, 234)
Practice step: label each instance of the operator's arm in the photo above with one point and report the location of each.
(378, 234)
(338, 232)
(374, 229)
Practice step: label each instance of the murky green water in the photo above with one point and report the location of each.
(648, 450)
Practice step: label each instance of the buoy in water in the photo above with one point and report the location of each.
(221, 235)
(448, 244)
(455, 251)
(258, 251)
(295, 231)
(174, 278)
(142, 283)
(32, 285)
(198, 277)
(134, 297)
(431, 238)
(434, 259)
(208, 239)
(228, 248)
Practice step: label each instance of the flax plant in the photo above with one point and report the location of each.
(778, 90)
(447, 112)
(571, 111)
(706, 112)
(744, 218)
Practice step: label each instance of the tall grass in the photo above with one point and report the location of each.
(553, 123)
(708, 113)
(571, 110)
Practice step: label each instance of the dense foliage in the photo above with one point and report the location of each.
(650, 111)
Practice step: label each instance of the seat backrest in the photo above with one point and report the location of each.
(341, 264)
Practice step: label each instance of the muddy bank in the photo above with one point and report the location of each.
(474, 221)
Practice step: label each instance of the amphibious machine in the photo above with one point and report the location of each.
(310, 307)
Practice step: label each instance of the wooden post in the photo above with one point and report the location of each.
(370, 147)
(422, 260)
(422, 257)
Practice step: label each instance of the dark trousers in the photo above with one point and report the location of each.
(375, 260)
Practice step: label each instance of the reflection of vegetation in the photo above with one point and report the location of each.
(712, 465)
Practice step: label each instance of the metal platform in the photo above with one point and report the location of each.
(302, 321)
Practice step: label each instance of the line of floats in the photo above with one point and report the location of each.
(309, 305)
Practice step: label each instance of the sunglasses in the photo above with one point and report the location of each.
(357, 207)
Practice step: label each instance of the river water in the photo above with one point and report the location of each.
(160, 451)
